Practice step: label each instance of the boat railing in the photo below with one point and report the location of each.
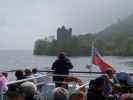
(71, 71)
(48, 75)
(84, 72)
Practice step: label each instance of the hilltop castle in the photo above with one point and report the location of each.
(63, 33)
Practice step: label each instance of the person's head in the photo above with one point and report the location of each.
(62, 55)
(109, 72)
(5, 74)
(15, 92)
(27, 72)
(99, 84)
(29, 89)
(77, 96)
(19, 73)
(116, 88)
(34, 70)
(60, 94)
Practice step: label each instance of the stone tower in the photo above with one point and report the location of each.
(63, 33)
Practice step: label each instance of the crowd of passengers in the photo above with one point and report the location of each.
(105, 87)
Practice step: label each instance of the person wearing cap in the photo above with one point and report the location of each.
(61, 67)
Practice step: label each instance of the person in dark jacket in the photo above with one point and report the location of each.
(96, 92)
(61, 67)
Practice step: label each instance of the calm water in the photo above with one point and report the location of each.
(10, 60)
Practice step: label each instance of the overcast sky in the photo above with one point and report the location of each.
(24, 21)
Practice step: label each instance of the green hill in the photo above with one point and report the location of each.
(122, 26)
(117, 39)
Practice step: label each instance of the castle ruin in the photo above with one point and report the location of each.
(63, 33)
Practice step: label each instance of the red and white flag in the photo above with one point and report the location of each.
(97, 60)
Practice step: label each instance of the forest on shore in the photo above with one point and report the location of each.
(116, 40)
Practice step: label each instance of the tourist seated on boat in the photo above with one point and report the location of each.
(5, 74)
(60, 93)
(110, 80)
(129, 80)
(40, 78)
(126, 82)
(29, 90)
(19, 74)
(91, 85)
(15, 92)
(3, 83)
(108, 85)
(112, 91)
(37, 74)
(129, 97)
(116, 91)
(123, 96)
(122, 78)
(28, 74)
(111, 76)
(77, 96)
(97, 91)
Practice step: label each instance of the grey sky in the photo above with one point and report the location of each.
(24, 21)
